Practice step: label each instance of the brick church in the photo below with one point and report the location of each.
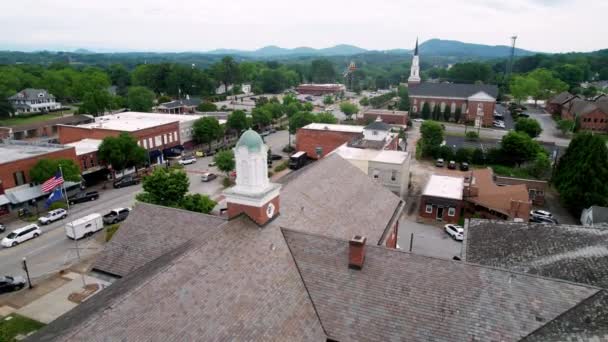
(476, 101)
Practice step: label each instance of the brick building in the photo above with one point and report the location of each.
(320, 89)
(441, 199)
(327, 137)
(476, 101)
(556, 104)
(391, 117)
(44, 129)
(590, 115)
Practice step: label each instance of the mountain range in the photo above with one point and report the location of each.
(432, 47)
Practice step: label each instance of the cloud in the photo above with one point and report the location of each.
(194, 25)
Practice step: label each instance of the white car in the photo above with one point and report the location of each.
(455, 231)
(20, 235)
(418, 120)
(499, 124)
(187, 160)
(541, 213)
(53, 216)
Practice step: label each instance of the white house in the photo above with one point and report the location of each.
(33, 101)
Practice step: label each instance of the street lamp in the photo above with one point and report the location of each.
(27, 273)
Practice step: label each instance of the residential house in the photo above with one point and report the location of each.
(595, 216)
(182, 106)
(557, 102)
(32, 100)
(441, 199)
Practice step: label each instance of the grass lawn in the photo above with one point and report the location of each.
(15, 326)
(507, 171)
(26, 120)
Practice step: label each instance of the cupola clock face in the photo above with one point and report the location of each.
(270, 210)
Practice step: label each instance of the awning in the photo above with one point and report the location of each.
(25, 193)
(154, 154)
(173, 151)
(4, 200)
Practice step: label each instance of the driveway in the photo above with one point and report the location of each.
(427, 240)
(550, 131)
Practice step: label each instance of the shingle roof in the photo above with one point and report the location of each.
(497, 197)
(378, 126)
(181, 103)
(561, 98)
(149, 232)
(334, 198)
(31, 94)
(600, 214)
(239, 284)
(402, 296)
(452, 90)
(573, 253)
(580, 107)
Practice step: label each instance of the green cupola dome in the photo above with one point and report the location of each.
(252, 140)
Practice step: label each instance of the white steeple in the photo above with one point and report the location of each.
(415, 69)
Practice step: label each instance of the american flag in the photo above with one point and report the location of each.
(52, 182)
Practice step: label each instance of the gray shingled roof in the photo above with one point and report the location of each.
(334, 198)
(182, 102)
(402, 296)
(241, 283)
(561, 98)
(378, 126)
(149, 232)
(452, 89)
(573, 253)
(31, 94)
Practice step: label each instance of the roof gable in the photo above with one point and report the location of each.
(481, 96)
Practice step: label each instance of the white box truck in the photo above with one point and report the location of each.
(84, 226)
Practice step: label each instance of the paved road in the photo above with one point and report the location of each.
(550, 131)
(53, 251)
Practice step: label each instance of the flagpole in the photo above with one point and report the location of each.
(65, 192)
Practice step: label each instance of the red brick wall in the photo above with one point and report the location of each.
(87, 161)
(488, 112)
(387, 118)
(258, 215)
(469, 114)
(595, 121)
(391, 241)
(7, 169)
(424, 200)
(418, 103)
(309, 139)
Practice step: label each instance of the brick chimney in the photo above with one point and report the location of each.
(356, 252)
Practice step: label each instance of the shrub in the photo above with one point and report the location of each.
(478, 157)
(281, 167)
(197, 203)
(289, 149)
(227, 182)
(270, 173)
(472, 136)
(111, 230)
(464, 154)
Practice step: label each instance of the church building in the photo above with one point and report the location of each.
(476, 101)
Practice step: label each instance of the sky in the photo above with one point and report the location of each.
(203, 25)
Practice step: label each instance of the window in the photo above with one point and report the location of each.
(150, 143)
(393, 175)
(451, 211)
(174, 136)
(374, 132)
(429, 209)
(19, 178)
(376, 174)
(158, 140)
(145, 144)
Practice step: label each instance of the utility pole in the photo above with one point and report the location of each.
(510, 61)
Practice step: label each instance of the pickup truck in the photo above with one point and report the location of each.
(116, 215)
(83, 197)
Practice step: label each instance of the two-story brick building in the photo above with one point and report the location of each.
(590, 115)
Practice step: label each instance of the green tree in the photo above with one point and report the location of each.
(226, 71)
(521, 87)
(470, 73)
(572, 74)
(96, 102)
(300, 120)
(165, 187)
(445, 152)
(261, 117)
(140, 99)
(541, 166)
(426, 111)
(581, 173)
(478, 157)
(432, 137)
(517, 148)
(566, 126)
(206, 130)
(119, 76)
(322, 71)
(529, 126)
(121, 152)
(472, 136)
(292, 108)
(328, 100)
(225, 161)
(457, 114)
(548, 84)
(436, 113)
(327, 118)
(198, 203)
(349, 109)
(206, 107)
(163, 99)
(44, 169)
(364, 101)
(464, 154)
(6, 109)
(447, 113)
(404, 99)
(238, 121)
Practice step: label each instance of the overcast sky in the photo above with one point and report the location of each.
(201, 25)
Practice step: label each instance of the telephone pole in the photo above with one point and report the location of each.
(510, 61)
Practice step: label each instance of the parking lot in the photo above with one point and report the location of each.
(427, 240)
(506, 117)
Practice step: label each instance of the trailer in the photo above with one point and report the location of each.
(84, 226)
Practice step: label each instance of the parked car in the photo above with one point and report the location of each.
(126, 181)
(83, 197)
(212, 163)
(543, 220)
(84, 226)
(452, 165)
(187, 160)
(22, 234)
(265, 133)
(439, 162)
(272, 130)
(418, 120)
(2, 228)
(199, 154)
(116, 215)
(209, 153)
(276, 157)
(542, 213)
(208, 176)
(499, 124)
(455, 231)
(523, 115)
(9, 283)
(464, 166)
(52, 216)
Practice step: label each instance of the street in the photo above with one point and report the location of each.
(53, 251)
